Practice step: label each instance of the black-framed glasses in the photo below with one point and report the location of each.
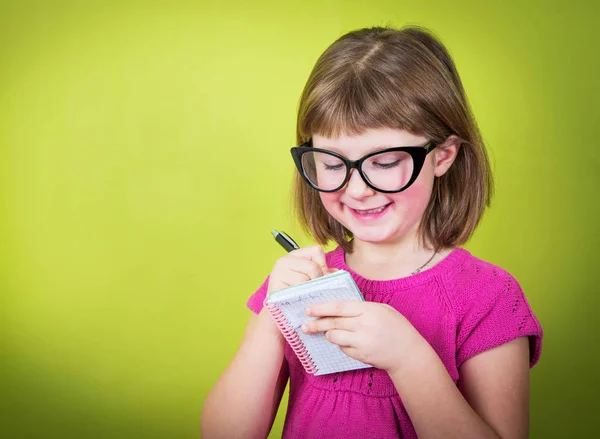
(388, 170)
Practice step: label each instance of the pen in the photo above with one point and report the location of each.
(285, 241)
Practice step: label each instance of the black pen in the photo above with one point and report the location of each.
(285, 241)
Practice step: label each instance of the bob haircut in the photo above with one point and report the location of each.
(405, 79)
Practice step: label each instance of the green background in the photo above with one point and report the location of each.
(144, 160)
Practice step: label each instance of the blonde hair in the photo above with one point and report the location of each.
(404, 79)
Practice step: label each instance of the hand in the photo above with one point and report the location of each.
(298, 266)
(373, 333)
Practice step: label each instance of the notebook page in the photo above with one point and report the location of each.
(293, 300)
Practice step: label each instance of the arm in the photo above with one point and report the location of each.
(495, 385)
(244, 401)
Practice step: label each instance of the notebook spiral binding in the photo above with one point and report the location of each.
(292, 338)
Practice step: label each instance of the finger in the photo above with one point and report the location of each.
(315, 253)
(327, 323)
(329, 270)
(305, 266)
(341, 308)
(291, 278)
(340, 337)
(351, 352)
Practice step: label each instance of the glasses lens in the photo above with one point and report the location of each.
(389, 171)
(325, 171)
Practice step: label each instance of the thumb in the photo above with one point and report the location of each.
(329, 270)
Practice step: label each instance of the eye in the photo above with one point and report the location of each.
(337, 167)
(386, 165)
(388, 160)
(329, 162)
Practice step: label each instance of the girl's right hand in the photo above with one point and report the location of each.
(298, 266)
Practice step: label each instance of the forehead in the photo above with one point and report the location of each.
(354, 146)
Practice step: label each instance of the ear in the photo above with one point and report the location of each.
(445, 154)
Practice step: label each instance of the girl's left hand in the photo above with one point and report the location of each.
(370, 332)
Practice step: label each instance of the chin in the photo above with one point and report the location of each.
(375, 236)
(392, 231)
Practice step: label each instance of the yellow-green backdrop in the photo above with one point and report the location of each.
(144, 160)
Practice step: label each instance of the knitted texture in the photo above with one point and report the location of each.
(462, 306)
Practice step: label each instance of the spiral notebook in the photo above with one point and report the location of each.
(315, 352)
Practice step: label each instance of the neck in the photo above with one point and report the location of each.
(384, 261)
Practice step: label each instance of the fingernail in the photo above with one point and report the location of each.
(304, 328)
(307, 311)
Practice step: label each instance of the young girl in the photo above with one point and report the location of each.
(392, 167)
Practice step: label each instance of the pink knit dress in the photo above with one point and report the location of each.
(462, 306)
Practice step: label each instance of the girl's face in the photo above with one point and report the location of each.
(379, 217)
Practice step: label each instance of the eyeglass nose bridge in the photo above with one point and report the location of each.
(355, 164)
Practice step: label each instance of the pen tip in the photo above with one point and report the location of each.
(274, 233)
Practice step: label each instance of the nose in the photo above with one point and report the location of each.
(356, 186)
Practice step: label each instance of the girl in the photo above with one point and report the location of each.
(392, 167)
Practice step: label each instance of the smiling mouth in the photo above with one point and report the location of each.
(371, 211)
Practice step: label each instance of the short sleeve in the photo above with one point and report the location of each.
(494, 311)
(256, 300)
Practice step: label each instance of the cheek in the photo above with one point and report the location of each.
(414, 200)
(329, 199)
(332, 204)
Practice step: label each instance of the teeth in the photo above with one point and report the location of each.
(379, 209)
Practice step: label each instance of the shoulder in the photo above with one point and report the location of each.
(472, 280)
(256, 300)
(335, 258)
(490, 307)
